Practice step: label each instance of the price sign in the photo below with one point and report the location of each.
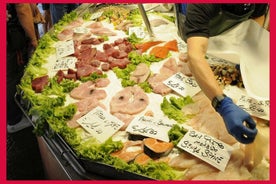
(254, 107)
(182, 84)
(100, 124)
(65, 63)
(65, 49)
(81, 30)
(96, 15)
(206, 148)
(139, 32)
(150, 127)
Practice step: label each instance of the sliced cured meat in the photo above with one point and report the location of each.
(120, 63)
(169, 67)
(131, 100)
(141, 73)
(103, 31)
(75, 23)
(86, 90)
(39, 83)
(101, 56)
(93, 41)
(105, 67)
(130, 150)
(65, 34)
(156, 83)
(102, 82)
(86, 70)
(155, 148)
(95, 25)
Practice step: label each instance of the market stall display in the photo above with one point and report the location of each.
(117, 98)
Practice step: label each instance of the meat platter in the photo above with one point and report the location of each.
(98, 71)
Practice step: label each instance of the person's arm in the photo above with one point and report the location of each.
(237, 121)
(196, 53)
(24, 13)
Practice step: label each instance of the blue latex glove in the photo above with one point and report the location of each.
(234, 118)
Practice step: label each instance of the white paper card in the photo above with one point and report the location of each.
(96, 15)
(139, 32)
(254, 107)
(65, 49)
(65, 63)
(100, 124)
(150, 127)
(207, 148)
(81, 30)
(182, 84)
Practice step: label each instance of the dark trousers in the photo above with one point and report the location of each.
(16, 61)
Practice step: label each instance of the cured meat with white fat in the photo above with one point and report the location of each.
(130, 100)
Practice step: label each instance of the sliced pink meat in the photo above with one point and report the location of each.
(141, 73)
(86, 90)
(66, 34)
(131, 100)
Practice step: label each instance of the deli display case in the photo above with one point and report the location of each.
(133, 113)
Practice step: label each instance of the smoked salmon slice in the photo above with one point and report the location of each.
(145, 46)
(172, 45)
(159, 52)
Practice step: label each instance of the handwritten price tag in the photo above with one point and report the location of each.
(254, 107)
(206, 148)
(81, 30)
(182, 84)
(65, 63)
(139, 32)
(96, 15)
(150, 127)
(65, 49)
(100, 124)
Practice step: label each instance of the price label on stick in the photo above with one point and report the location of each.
(206, 148)
(150, 127)
(254, 107)
(100, 124)
(182, 84)
(65, 49)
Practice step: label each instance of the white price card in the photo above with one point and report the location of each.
(182, 84)
(150, 127)
(96, 15)
(65, 63)
(206, 148)
(81, 30)
(65, 49)
(139, 32)
(100, 124)
(254, 107)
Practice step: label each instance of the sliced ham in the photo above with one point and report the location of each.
(130, 100)
(157, 85)
(86, 70)
(102, 82)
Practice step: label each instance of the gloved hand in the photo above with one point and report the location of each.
(234, 118)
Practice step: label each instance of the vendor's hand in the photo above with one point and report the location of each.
(234, 118)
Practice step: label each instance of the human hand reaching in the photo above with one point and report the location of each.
(238, 122)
